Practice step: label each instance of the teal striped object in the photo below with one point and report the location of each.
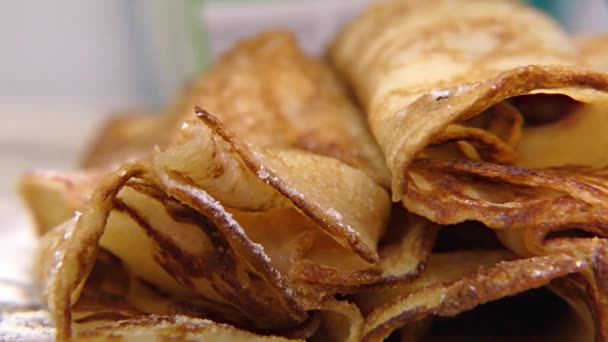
(553, 7)
(577, 17)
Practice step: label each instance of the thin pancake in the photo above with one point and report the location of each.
(198, 209)
(420, 67)
(594, 49)
(459, 281)
(53, 196)
(185, 265)
(126, 137)
(430, 74)
(267, 91)
(172, 327)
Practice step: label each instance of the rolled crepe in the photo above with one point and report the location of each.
(419, 68)
(458, 281)
(474, 289)
(479, 122)
(486, 111)
(127, 136)
(237, 227)
(594, 49)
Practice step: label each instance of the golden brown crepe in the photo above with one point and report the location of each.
(474, 290)
(594, 49)
(224, 224)
(459, 281)
(266, 91)
(264, 214)
(53, 196)
(164, 328)
(419, 67)
(127, 136)
(445, 86)
(303, 105)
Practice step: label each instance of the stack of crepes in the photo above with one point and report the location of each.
(258, 206)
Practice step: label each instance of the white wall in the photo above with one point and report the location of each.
(68, 51)
(127, 53)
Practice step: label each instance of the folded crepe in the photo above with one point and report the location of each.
(52, 196)
(128, 136)
(485, 293)
(256, 230)
(485, 111)
(255, 92)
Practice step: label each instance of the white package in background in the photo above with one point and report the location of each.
(583, 17)
(314, 22)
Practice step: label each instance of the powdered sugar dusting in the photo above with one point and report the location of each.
(262, 173)
(334, 214)
(462, 88)
(440, 93)
(31, 325)
(220, 213)
(291, 192)
(349, 230)
(59, 253)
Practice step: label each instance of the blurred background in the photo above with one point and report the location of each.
(65, 65)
